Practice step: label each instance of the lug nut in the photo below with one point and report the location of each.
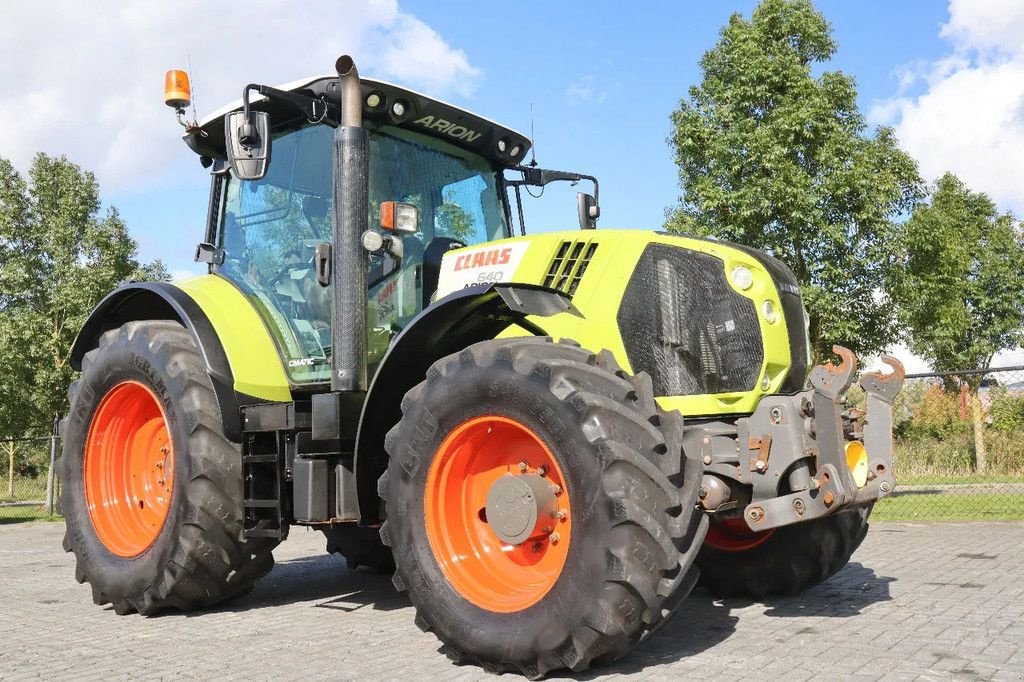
(523, 466)
(556, 489)
(541, 470)
(554, 538)
(562, 515)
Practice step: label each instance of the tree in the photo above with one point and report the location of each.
(960, 284)
(58, 257)
(776, 157)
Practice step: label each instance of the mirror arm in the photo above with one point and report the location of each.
(316, 110)
(539, 177)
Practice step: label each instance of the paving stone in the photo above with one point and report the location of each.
(905, 608)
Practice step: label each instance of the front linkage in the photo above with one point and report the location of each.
(804, 456)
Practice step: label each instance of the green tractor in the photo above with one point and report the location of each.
(549, 439)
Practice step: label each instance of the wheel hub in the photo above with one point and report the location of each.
(521, 506)
(497, 513)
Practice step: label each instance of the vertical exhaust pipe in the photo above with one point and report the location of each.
(350, 164)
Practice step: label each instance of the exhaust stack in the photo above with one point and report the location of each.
(348, 261)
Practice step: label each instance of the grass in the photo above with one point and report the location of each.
(980, 507)
(26, 513)
(940, 479)
(24, 489)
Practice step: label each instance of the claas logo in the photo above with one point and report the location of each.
(483, 258)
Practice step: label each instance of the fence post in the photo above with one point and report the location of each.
(978, 417)
(11, 449)
(49, 477)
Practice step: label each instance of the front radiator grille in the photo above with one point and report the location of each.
(567, 267)
(684, 325)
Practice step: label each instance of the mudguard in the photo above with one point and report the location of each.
(166, 301)
(462, 318)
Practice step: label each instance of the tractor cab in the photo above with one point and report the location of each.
(442, 168)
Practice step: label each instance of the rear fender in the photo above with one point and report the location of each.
(460, 319)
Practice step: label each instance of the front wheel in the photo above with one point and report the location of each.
(737, 562)
(151, 486)
(529, 510)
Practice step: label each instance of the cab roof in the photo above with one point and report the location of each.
(384, 103)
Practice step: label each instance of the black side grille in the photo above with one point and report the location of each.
(684, 325)
(567, 267)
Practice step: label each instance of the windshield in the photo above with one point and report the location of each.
(269, 229)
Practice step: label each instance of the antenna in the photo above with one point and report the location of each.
(195, 116)
(533, 141)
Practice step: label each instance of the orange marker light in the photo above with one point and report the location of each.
(177, 89)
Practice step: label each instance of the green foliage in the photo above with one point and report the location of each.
(776, 157)
(1006, 410)
(933, 437)
(58, 256)
(936, 415)
(960, 285)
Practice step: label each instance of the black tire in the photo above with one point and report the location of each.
(630, 561)
(198, 559)
(361, 546)
(793, 559)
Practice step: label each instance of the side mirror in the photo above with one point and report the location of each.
(588, 211)
(248, 143)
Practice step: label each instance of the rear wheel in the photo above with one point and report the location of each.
(737, 562)
(534, 523)
(151, 486)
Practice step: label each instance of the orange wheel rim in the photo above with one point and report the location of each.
(128, 469)
(478, 472)
(733, 535)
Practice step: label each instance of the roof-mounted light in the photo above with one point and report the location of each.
(177, 89)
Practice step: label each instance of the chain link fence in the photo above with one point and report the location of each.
(31, 488)
(959, 447)
(958, 438)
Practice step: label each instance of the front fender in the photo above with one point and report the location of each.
(236, 348)
(460, 319)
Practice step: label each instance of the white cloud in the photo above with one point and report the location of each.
(969, 116)
(88, 82)
(185, 273)
(585, 89)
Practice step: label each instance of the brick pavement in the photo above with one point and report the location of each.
(919, 601)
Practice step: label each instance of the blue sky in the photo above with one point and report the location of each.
(602, 83)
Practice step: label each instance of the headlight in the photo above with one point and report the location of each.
(742, 277)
